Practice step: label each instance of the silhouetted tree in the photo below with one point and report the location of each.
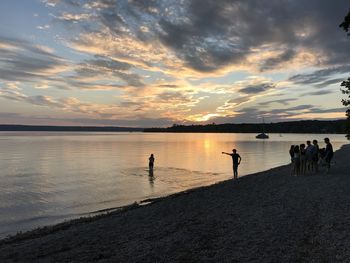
(346, 90)
(346, 23)
(346, 83)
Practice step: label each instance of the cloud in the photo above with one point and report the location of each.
(207, 36)
(258, 88)
(110, 68)
(273, 62)
(320, 76)
(255, 114)
(317, 93)
(279, 101)
(179, 60)
(22, 61)
(66, 104)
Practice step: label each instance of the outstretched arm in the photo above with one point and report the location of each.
(226, 153)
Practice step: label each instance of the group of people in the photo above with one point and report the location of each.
(306, 159)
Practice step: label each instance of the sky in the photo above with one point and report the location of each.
(153, 63)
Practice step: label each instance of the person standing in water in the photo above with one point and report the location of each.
(151, 162)
(236, 160)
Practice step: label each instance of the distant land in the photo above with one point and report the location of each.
(307, 126)
(9, 127)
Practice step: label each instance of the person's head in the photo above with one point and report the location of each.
(326, 140)
(151, 154)
(234, 150)
(296, 148)
(308, 142)
(302, 146)
(291, 147)
(314, 142)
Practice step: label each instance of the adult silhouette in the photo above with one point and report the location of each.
(236, 160)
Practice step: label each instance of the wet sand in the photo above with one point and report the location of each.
(264, 217)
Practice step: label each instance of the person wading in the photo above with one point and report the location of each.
(236, 160)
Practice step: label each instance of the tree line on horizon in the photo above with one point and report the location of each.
(305, 126)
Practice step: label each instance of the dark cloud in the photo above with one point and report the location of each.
(239, 100)
(318, 110)
(329, 82)
(109, 64)
(210, 34)
(280, 101)
(255, 89)
(320, 76)
(272, 63)
(168, 86)
(317, 93)
(254, 115)
(104, 66)
(299, 107)
(177, 97)
(24, 61)
(41, 100)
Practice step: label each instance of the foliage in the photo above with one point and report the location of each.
(346, 23)
(346, 90)
(346, 83)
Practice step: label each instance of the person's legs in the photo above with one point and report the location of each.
(297, 167)
(315, 165)
(328, 164)
(302, 167)
(235, 171)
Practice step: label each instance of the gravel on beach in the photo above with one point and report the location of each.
(265, 217)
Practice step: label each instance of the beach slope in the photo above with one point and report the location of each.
(265, 217)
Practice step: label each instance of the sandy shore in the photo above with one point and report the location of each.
(265, 217)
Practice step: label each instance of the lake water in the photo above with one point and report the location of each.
(50, 177)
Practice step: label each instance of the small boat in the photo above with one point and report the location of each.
(262, 136)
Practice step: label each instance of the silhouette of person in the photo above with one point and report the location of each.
(291, 154)
(302, 158)
(296, 160)
(328, 153)
(151, 163)
(236, 160)
(315, 155)
(309, 153)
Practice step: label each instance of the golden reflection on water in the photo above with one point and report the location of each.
(49, 177)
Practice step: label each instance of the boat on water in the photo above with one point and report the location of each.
(262, 136)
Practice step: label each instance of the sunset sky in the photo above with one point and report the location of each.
(154, 63)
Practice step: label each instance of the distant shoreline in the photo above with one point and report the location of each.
(306, 126)
(48, 128)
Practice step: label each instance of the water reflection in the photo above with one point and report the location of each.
(151, 178)
(48, 177)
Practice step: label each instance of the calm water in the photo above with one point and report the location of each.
(50, 177)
